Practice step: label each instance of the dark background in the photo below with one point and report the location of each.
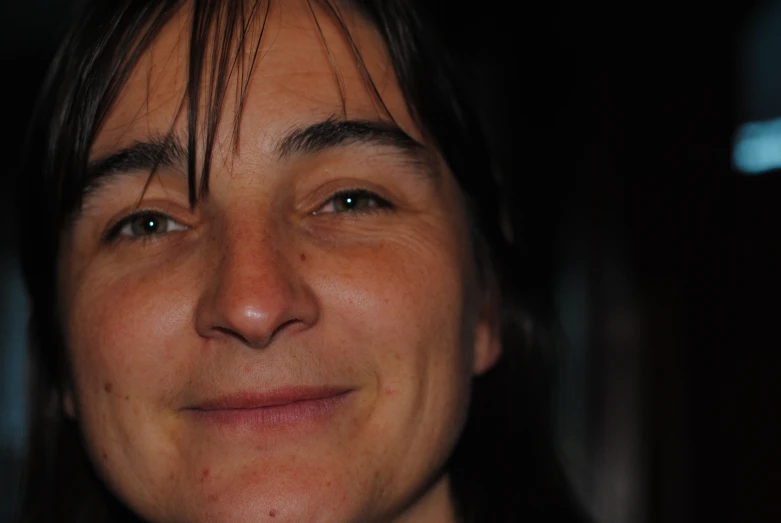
(661, 260)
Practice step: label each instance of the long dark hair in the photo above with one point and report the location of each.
(505, 466)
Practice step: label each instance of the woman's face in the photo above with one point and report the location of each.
(299, 345)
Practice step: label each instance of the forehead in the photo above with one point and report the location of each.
(303, 69)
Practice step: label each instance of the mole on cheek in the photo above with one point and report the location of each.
(272, 513)
(108, 387)
(303, 257)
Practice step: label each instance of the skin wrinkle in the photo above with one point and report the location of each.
(380, 304)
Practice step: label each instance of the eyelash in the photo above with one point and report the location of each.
(376, 203)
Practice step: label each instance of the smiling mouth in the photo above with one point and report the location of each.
(283, 406)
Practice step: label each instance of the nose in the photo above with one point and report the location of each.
(253, 293)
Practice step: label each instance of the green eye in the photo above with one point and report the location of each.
(145, 224)
(355, 201)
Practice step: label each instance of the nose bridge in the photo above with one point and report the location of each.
(253, 291)
(253, 254)
(251, 248)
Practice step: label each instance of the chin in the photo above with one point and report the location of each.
(264, 494)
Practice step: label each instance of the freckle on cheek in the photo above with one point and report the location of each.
(303, 257)
(108, 387)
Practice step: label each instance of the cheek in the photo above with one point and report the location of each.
(401, 310)
(125, 330)
(407, 296)
(121, 337)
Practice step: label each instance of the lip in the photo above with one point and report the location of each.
(281, 406)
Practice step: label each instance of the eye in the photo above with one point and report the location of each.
(353, 201)
(144, 224)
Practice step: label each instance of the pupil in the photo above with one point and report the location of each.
(150, 224)
(346, 202)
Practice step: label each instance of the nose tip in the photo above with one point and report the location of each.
(252, 296)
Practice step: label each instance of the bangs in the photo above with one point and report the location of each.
(224, 48)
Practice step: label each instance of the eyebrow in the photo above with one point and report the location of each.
(155, 153)
(333, 133)
(171, 152)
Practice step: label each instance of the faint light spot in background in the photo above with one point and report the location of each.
(13, 325)
(757, 147)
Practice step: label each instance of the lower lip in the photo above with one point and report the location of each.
(295, 413)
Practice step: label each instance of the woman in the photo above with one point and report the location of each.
(268, 264)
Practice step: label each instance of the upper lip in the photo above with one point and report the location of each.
(269, 398)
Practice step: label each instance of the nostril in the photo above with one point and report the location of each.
(281, 327)
(233, 333)
(256, 343)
